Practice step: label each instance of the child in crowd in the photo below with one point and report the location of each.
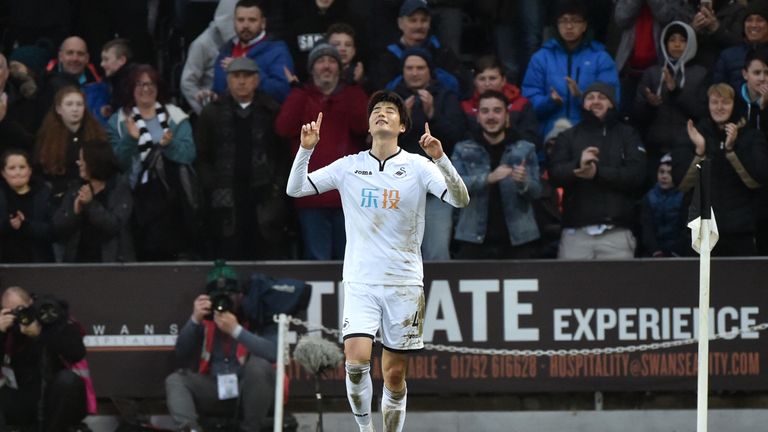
(661, 208)
(670, 93)
(26, 232)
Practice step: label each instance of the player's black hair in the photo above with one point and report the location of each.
(396, 100)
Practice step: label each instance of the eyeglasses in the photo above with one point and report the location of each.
(566, 22)
(146, 85)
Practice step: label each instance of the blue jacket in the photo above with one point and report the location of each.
(473, 163)
(661, 219)
(548, 68)
(271, 56)
(180, 150)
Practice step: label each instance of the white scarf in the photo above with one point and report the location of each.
(145, 138)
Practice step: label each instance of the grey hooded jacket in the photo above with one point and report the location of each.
(197, 74)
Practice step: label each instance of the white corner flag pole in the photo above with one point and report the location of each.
(703, 372)
(282, 329)
(707, 237)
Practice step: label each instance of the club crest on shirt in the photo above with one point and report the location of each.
(400, 173)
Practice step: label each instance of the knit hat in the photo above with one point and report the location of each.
(322, 48)
(666, 159)
(756, 7)
(410, 6)
(222, 277)
(34, 57)
(420, 52)
(560, 126)
(603, 88)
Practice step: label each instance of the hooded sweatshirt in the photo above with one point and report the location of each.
(664, 125)
(198, 70)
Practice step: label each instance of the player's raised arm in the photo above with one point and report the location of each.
(299, 184)
(456, 191)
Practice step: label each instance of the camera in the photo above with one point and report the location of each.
(221, 302)
(46, 311)
(25, 315)
(220, 293)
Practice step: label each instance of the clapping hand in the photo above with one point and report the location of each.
(652, 98)
(588, 165)
(555, 96)
(167, 137)
(573, 87)
(519, 172)
(697, 138)
(17, 220)
(84, 196)
(668, 78)
(500, 173)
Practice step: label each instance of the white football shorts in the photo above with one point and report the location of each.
(397, 311)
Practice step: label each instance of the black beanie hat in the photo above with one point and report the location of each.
(603, 88)
(757, 7)
(419, 52)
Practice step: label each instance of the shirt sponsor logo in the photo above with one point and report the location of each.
(390, 198)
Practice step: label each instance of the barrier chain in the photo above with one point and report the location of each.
(551, 352)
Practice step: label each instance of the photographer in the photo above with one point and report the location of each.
(38, 346)
(232, 364)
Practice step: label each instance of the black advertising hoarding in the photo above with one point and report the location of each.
(133, 312)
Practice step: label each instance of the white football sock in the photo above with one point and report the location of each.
(393, 409)
(360, 393)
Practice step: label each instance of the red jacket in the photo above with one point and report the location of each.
(345, 125)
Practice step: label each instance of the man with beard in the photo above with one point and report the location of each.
(600, 164)
(502, 175)
(251, 41)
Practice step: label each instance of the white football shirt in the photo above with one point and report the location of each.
(383, 204)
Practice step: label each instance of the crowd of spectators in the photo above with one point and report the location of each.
(162, 131)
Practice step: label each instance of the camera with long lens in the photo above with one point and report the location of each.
(46, 311)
